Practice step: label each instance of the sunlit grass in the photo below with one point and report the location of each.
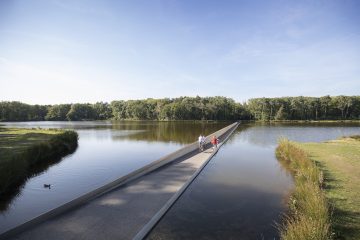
(309, 213)
(340, 161)
(16, 140)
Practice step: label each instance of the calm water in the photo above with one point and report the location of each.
(241, 193)
(107, 151)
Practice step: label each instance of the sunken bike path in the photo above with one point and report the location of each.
(124, 211)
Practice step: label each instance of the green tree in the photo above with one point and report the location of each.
(79, 111)
(118, 109)
(280, 114)
(102, 111)
(58, 112)
(325, 102)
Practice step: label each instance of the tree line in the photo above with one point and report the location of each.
(191, 108)
(305, 108)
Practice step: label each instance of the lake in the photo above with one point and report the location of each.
(241, 192)
(107, 150)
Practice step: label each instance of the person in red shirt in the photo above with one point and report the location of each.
(214, 142)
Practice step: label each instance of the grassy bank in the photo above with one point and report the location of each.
(26, 152)
(340, 161)
(309, 214)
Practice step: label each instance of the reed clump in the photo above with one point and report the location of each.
(309, 215)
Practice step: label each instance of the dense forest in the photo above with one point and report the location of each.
(191, 108)
(305, 108)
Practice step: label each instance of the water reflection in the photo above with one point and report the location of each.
(107, 150)
(6, 200)
(182, 132)
(241, 193)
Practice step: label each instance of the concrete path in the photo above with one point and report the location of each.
(123, 212)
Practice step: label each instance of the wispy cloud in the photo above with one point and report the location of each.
(110, 50)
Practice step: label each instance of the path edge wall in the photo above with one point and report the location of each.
(77, 202)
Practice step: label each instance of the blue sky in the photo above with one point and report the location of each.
(63, 51)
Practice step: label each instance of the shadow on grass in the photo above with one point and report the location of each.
(343, 221)
(344, 224)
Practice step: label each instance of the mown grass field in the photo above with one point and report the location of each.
(340, 161)
(14, 141)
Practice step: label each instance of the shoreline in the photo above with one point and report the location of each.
(326, 189)
(27, 152)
